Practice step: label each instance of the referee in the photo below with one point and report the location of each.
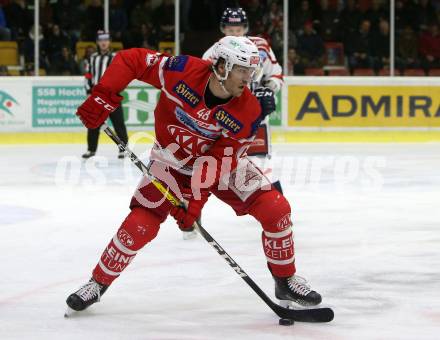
(95, 67)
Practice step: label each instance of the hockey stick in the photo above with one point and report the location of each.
(303, 315)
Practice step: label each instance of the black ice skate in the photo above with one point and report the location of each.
(87, 295)
(88, 154)
(295, 289)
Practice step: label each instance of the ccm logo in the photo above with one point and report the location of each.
(100, 101)
(263, 94)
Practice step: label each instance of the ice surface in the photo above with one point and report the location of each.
(367, 231)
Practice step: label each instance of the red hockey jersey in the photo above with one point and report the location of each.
(181, 115)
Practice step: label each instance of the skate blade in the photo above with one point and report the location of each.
(69, 312)
(289, 304)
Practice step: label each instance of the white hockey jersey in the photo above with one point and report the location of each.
(272, 72)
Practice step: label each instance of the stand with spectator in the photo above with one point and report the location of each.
(310, 47)
(359, 48)
(65, 64)
(407, 50)
(430, 48)
(5, 32)
(381, 47)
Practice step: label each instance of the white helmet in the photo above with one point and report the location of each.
(235, 51)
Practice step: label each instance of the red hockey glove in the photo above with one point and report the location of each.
(185, 219)
(98, 106)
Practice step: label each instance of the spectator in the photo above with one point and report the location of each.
(276, 39)
(83, 64)
(255, 11)
(407, 50)
(148, 35)
(55, 41)
(164, 20)
(274, 16)
(28, 49)
(95, 19)
(349, 20)
(375, 14)
(65, 65)
(5, 32)
(69, 16)
(430, 48)
(381, 46)
(404, 15)
(310, 47)
(19, 20)
(117, 19)
(294, 65)
(141, 14)
(358, 48)
(259, 31)
(46, 13)
(424, 14)
(301, 16)
(327, 21)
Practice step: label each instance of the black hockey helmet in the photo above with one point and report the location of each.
(234, 17)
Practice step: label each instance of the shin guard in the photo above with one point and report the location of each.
(272, 210)
(140, 227)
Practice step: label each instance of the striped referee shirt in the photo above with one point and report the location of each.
(95, 67)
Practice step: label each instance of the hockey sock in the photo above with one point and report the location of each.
(272, 210)
(140, 227)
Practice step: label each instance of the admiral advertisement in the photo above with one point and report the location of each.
(390, 106)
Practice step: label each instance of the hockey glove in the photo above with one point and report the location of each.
(98, 106)
(185, 219)
(266, 97)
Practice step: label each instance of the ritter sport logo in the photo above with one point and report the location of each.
(6, 103)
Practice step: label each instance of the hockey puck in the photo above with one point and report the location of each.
(286, 322)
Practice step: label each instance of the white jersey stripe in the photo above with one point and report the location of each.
(279, 234)
(162, 83)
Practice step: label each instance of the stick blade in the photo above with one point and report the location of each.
(306, 315)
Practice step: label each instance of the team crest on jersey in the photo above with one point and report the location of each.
(191, 97)
(190, 142)
(176, 63)
(227, 121)
(151, 59)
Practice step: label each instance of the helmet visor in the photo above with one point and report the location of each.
(244, 73)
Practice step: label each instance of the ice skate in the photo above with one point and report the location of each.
(88, 154)
(295, 289)
(87, 295)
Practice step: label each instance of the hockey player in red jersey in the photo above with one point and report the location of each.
(205, 119)
(266, 83)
